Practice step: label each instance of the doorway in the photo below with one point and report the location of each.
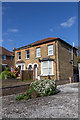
(35, 72)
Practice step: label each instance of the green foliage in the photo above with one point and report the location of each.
(5, 74)
(22, 96)
(44, 87)
(2, 75)
(39, 88)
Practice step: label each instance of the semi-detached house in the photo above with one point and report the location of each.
(48, 57)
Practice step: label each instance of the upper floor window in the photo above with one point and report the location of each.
(50, 49)
(38, 52)
(27, 54)
(3, 57)
(19, 55)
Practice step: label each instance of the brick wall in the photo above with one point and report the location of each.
(33, 59)
(8, 61)
(61, 65)
(65, 67)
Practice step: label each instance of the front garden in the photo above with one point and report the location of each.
(39, 88)
(7, 74)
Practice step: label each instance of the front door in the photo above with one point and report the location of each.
(35, 72)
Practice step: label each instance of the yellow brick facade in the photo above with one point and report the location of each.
(62, 68)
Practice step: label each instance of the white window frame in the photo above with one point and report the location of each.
(18, 55)
(46, 67)
(21, 64)
(50, 50)
(4, 57)
(37, 52)
(27, 54)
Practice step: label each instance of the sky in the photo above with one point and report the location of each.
(26, 22)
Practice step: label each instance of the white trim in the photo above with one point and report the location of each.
(20, 64)
(29, 64)
(27, 54)
(37, 50)
(35, 64)
(52, 50)
(4, 64)
(48, 69)
(18, 55)
(47, 75)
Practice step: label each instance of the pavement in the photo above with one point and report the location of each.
(61, 105)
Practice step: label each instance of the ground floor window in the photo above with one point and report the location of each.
(47, 68)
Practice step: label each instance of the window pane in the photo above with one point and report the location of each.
(45, 71)
(27, 51)
(46, 68)
(45, 64)
(50, 71)
(19, 57)
(38, 52)
(4, 57)
(50, 64)
(50, 50)
(27, 56)
(19, 53)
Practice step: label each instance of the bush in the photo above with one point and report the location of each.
(44, 87)
(5, 74)
(2, 75)
(39, 88)
(23, 96)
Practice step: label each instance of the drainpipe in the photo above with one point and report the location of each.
(73, 60)
(56, 60)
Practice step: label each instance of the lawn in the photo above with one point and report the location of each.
(14, 82)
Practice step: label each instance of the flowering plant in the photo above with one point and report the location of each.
(14, 73)
(44, 87)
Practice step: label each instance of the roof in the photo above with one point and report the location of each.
(39, 42)
(4, 51)
(21, 61)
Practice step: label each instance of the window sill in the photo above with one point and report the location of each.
(26, 58)
(47, 75)
(38, 57)
(18, 59)
(50, 55)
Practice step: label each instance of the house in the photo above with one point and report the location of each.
(49, 57)
(6, 58)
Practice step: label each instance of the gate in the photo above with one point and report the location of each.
(26, 75)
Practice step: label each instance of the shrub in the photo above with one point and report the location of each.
(2, 75)
(22, 96)
(39, 88)
(5, 74)
(44, 87)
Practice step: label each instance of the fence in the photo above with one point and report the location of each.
(26, 75)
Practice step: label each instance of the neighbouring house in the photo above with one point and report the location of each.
(6, 58)
(49, 57)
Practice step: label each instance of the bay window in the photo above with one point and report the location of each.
(47, 68)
